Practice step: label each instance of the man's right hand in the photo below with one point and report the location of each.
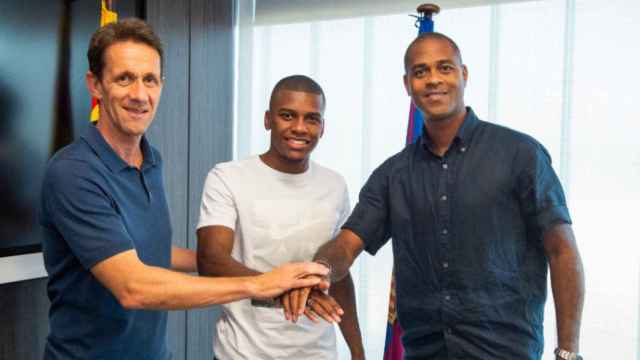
(287, 277)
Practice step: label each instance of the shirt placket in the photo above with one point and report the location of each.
(442, 199)
(444, 208)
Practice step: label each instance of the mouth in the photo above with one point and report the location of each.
(136, 112)
(435, 95)
(297, 143)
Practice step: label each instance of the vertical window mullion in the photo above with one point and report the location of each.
(494, 54)
(567, 94)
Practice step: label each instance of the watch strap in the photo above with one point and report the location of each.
(566, 354)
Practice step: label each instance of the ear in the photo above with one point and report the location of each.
(465, 74)
(93, 85)
(407, 86)
(322, 129)
(267, 120)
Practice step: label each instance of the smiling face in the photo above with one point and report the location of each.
(128, 91)
(435, 79)
(295, 119)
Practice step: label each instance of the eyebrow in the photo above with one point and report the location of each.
(312, 113)
(439, 62)
(124, 72)
(132, 74)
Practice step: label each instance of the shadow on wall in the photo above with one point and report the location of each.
(17, 213)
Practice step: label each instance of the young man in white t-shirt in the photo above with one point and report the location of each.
(272, 209)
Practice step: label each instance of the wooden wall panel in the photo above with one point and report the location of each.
(170, 132)
(211, 129)
(24, 305)
(23, 314)
(193, 130)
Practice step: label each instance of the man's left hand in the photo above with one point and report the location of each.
(324, 306)
(294, 302)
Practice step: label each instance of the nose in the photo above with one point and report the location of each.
(299, 126)
(137, 91)
(433, 78)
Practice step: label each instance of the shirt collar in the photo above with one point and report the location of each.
(109, 157)
(466, 130)
(464, 134)
(148, 157)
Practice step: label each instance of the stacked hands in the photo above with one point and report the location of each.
(312, 301)
(302, 289)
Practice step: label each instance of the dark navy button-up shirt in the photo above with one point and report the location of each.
(467, 229)
(94, 206)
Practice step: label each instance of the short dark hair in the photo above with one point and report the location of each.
(298, 83)
(431, 36)
(130, 29)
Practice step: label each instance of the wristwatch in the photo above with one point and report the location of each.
(566, 354)
(327, 265)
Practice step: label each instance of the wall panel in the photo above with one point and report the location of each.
(170, 132)
(211, 132)
(24, 305)
(192, 130)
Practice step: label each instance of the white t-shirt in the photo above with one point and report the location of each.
(277, 218)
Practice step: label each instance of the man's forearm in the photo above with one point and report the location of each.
(344, 293)
(149, 287)
(340, 253)
(567, 282)
(215, 244)
(163, 289)
(140, 286)
(183, 260)
(223, 265)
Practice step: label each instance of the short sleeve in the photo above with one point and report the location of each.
(539, 191)
(370, 218)
(80, 209)
(218, 205)
(344, 211)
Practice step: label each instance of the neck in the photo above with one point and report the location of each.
(127, 147)
(277, 162)
(443, 131)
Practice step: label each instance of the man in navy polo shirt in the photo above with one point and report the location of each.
(477, 215)
(107, 243)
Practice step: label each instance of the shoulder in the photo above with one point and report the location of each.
(327, 175)
(399, 161)
(78, 150)
(232, 174)
(73, 163)
(393, 168)
(522, 149)
(511, 137)
(73, 176)
(233, 168)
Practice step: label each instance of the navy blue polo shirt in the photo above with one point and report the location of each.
(467, 228)
(94, 206)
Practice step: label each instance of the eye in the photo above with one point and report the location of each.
(151, 81)
(315, 119)
(447, 68)
(286, 115)
(124, 80)
(419, 72)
